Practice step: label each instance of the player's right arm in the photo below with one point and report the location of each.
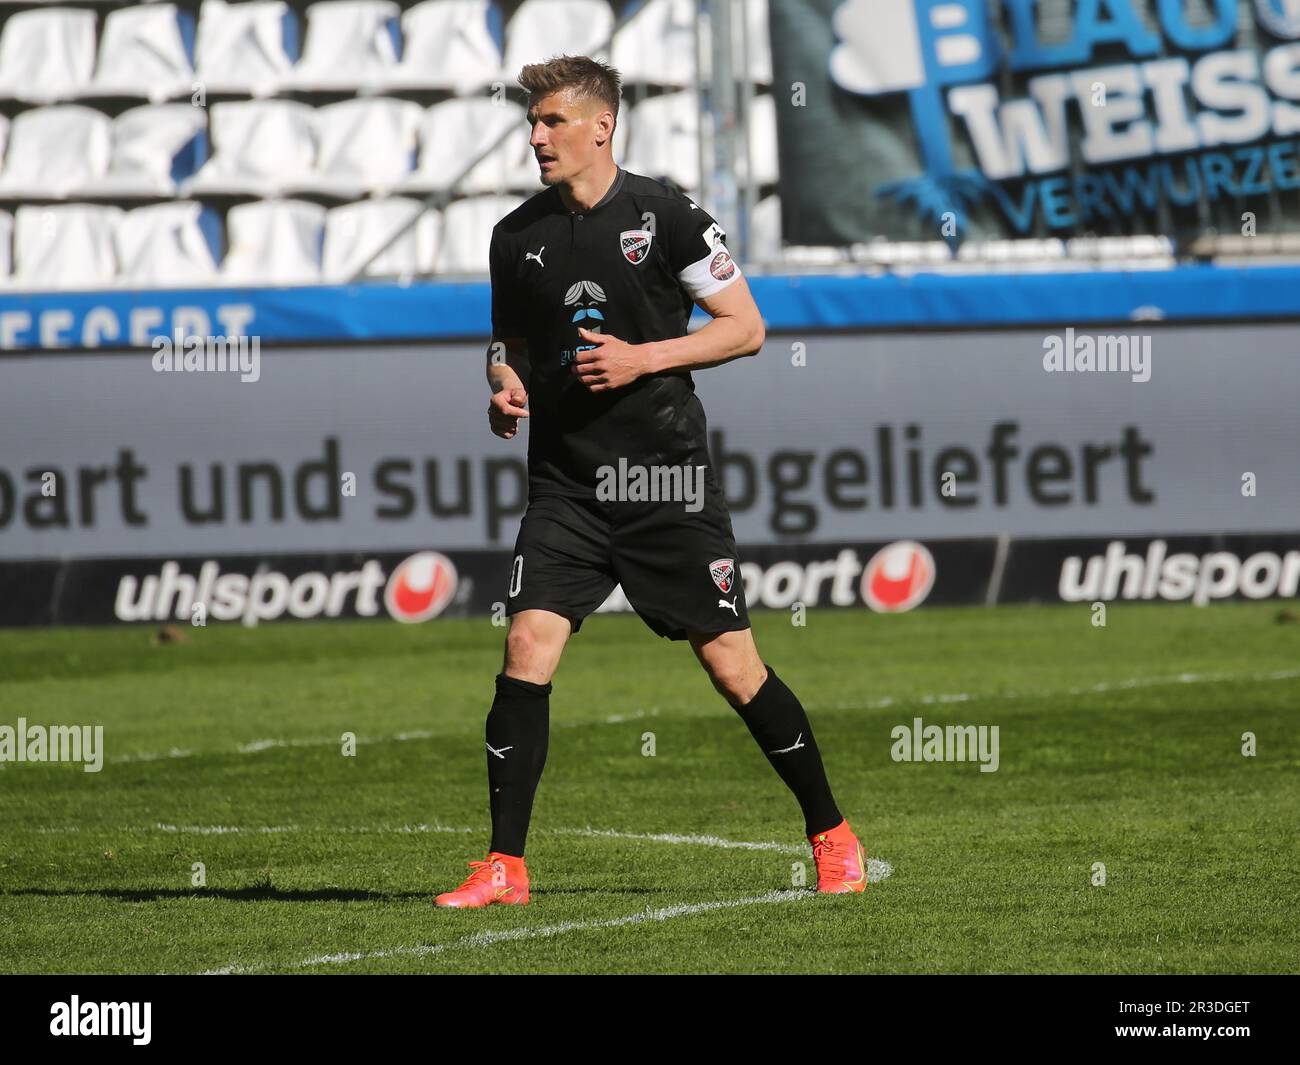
(507, 373)
(507, 355)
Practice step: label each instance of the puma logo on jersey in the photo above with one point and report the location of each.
(536, 255)
(730, 606)
(501, 753)
(798, 742)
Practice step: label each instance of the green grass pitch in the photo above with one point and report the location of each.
(1119, 745)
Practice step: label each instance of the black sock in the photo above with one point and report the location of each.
(518, 731)
(777, 721)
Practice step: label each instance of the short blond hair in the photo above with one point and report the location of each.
(590, 78)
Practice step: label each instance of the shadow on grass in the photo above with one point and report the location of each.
(264, 893)
(258, 893)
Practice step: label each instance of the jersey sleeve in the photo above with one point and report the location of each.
(507, 302)
(697, 250)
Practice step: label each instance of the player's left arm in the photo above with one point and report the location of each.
(735, 331)
(712, 278)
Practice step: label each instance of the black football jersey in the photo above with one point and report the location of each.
(631, 266)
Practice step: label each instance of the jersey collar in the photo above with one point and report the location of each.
(613, 191)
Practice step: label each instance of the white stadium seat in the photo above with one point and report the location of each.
(759, 42)
(448, 44)
(762, 139)
(164, 245)
(765, 230)
(362, 146)
(467, 232)
(543, 28)
(53, 150)
(147, 144)
(355, 231)
(665, 138)
(273, 242)
(657, 44)
(454, 132)
(349, 45)
(143, 53)
(65, 246)
(6, 244)
(260, 147)
(46, 54)
(247, 49)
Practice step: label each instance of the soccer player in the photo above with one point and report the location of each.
(593, 281)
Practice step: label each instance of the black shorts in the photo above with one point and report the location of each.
(678, 568)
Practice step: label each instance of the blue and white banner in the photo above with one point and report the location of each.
(983, 118)
(431, 311)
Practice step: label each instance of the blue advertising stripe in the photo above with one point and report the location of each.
(448, 310)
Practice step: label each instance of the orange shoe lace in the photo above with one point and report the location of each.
(829, 860)
(485, 871)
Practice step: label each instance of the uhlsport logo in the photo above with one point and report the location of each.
(898, 577)
(419, 588)
(1158, 574)
(1188, 120)
(635, 245)
(835, 581)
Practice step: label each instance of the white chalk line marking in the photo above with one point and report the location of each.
(877, 869)
(487, 939)
(881, 703)
(256, 746)
(692, 840)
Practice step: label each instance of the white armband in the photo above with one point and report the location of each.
(710, 274)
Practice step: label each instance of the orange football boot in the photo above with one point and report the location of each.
(503, 878)
(841, 861)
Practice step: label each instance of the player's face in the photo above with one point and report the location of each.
(565, 130)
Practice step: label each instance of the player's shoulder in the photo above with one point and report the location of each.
(519, 221)
(648, 188)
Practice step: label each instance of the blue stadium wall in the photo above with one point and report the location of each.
(385, 381)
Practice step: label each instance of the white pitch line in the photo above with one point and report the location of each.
(877, 869)
(673, 837)
(487, 939)
(882, 703)
(257, 746)
(1092, 689)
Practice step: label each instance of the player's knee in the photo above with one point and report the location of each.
(531, 655)
(734, 679)
(522, 649)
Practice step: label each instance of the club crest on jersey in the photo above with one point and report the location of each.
(723, 572)
(635, 244)
(722, 267)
